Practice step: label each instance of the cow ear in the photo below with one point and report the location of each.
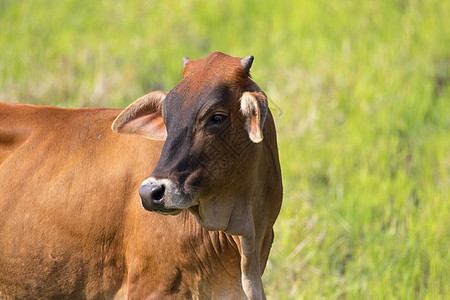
(143, 117)
(254, 108)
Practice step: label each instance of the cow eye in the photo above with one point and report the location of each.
(217, 119)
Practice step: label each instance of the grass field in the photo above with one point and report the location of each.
(360, 91)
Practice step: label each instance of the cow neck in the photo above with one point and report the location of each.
(215, 247)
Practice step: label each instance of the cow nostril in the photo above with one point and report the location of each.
(152, 195)
(158, 193)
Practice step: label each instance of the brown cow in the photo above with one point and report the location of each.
(72, 224)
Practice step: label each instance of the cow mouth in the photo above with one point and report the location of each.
(168, 211)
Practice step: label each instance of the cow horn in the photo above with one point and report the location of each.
(246, 63)
(185, 61)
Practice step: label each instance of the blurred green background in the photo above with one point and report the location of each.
(360, 92)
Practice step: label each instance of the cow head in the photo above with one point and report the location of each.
(213, 124)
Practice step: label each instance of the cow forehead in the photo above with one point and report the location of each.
(205, 81)
(215, 70)
(216, 66)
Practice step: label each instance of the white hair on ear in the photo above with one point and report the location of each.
(248, 104)
(252, 115)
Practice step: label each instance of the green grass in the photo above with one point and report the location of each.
(361, 95)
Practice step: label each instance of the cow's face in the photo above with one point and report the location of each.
(212, 122)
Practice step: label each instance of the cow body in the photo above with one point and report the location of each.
(72, 224)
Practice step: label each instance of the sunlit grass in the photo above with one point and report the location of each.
(361, 90)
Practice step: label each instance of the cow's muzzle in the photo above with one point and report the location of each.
(157, 195)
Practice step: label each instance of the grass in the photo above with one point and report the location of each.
(360, 90)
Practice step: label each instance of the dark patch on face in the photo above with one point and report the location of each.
(227, 150)
(188, 132)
